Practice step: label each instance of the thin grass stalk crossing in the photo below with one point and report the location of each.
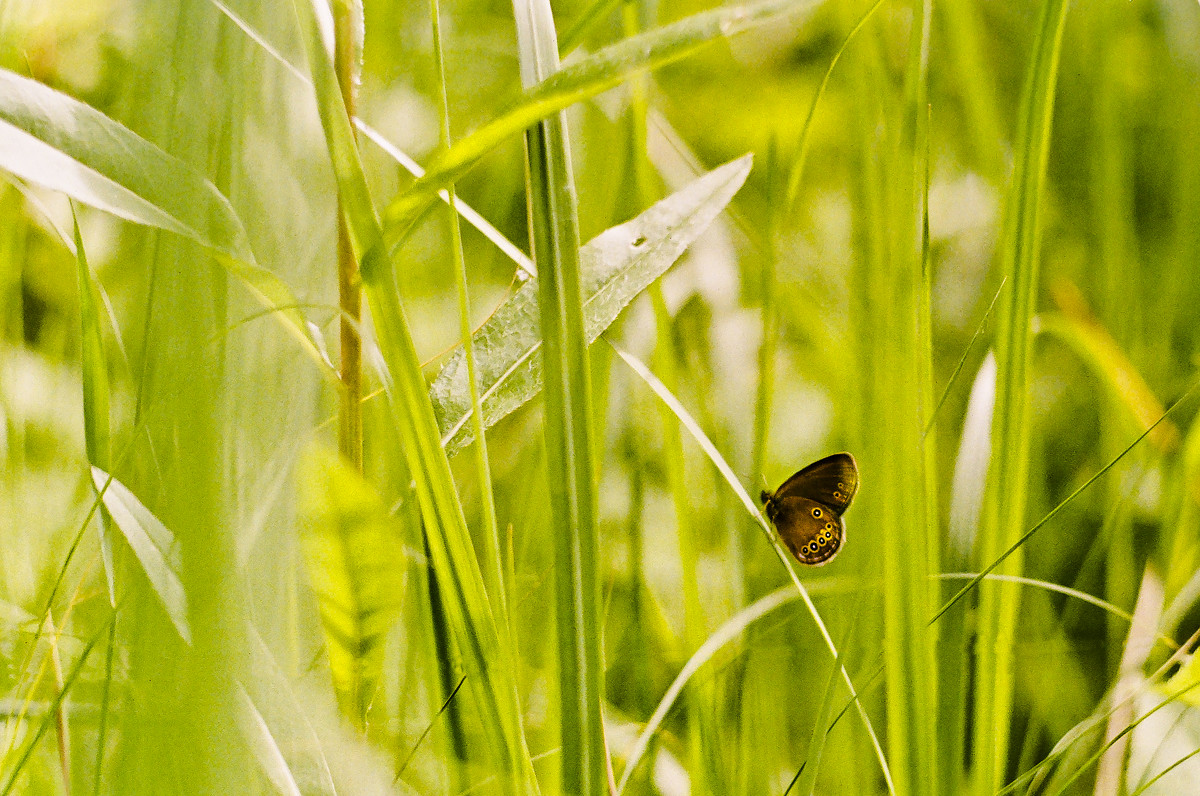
(493, 568)
(453, 557)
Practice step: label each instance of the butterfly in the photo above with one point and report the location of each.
(807, 509)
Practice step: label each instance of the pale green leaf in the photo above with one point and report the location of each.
(60, 143)
(616, 266)
(355, 564)
(152, 542)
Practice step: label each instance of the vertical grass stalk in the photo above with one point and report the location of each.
(347, 65)
(452, 555)
(1003, 517)
(492, 566)
(554, 236)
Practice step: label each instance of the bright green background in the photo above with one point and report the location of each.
(829, 308)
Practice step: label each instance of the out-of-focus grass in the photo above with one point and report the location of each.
(182, 338)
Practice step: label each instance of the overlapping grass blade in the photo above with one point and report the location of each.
(805, 783)
(995, 563)
(570, 439)
(267, 695)
(13, 773)
(62, 144)
(493, 574)
(599, 72)
(152, 543)
(1004, 510)
(453, 558)
(615, 267)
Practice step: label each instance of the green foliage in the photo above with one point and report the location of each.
(955, 239)
(615, 268)
(353, 557)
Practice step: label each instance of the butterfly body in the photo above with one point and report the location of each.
(807, 509)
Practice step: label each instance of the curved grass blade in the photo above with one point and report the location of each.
(270, 694)
(1066, 591)
(607, 68)
(710, 450)
(1100, 352)
(264, 748)
(55, 141)
(730, 630)
(152, 543)
(452, 554)
(616, 266)
(355, 564)
(797, 169)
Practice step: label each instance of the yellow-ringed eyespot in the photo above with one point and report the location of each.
(817, 513)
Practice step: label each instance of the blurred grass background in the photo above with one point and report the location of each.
(973, 265)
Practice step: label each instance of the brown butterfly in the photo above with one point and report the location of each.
(807, 509)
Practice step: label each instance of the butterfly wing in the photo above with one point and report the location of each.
(813, 532)
(831, 481)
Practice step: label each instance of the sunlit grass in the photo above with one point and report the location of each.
(954, 239)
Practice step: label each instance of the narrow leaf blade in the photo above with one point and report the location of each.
(616, 266)
(60, 143)
(153, 544)
(355, 565)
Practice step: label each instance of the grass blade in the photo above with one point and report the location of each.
(607, 68)
(729, 631)
(62, 144)
(710, 450)
(48, 717)
(1007, 490)
(96, 423)
(355, 564)
(570, 469)
(615, 267)
(452, 555)
(152, 543)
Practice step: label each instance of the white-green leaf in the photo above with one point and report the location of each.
(152, 543)
(60, 143)
(616, 265)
